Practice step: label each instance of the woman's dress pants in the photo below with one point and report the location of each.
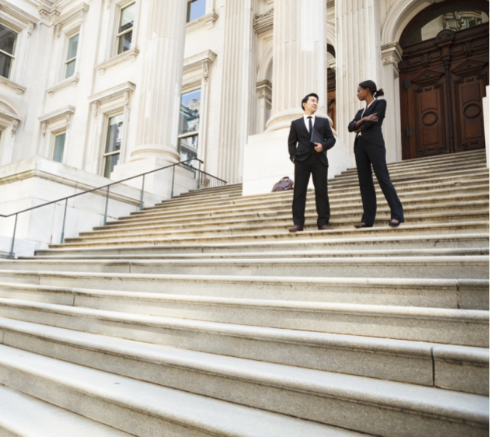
(368, 154)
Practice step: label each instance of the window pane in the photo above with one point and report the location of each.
(196, 9)
(72, 47)
(190, 110)
(70, 68)
(124, 43)
(110, 163)
(188, 148)
(59, 148)
(5, 64)
(455, 17)
(7, 40)
(114, 134)
(127, 18)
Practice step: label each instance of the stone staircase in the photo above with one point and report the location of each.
(203, 316)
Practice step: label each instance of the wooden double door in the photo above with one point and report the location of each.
(442, 84)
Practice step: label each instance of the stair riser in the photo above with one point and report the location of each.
(272, 223)
(397, 365)
(89, 405)
(420, 242)
(241, 217)
(441, 267)
(293, 401)
(450, 294)
(229, 237)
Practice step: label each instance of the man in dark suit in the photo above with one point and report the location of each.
(309, 139)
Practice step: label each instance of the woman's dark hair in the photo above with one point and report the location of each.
(371, 86)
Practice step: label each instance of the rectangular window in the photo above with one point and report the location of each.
(125, 29)
(8, 39)
(113, 144)
(71, 56)
(59, 147)
(190, 114)
(195, 9)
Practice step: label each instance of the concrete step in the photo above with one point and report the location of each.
(479, 193)
(341, 193)
(146, 410)
(458, 368)
(448, 326)
(428, 293)
(25, 416)
(179, 369)
(227, 235)
(411, 242)
(456, 267)
(278, 222)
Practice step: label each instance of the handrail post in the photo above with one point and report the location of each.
(64, 222)
(142, 193)
(13, 238)
(106, 205)
(173, 180)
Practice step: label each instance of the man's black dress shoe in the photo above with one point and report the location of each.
(362, 225)
(296, 228)
(325, 228)
(395, 224)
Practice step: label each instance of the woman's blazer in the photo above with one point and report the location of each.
(371, 130)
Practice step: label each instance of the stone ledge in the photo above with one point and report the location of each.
(19, 89)
(127, 55)
(73, 81)
(208, 20)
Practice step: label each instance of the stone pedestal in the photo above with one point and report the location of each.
(299, 68)
(159, 94)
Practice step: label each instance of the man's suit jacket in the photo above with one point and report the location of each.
(371, 130)
(300, 145)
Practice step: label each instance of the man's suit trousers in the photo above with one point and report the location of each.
(366, 154)
(302, 170)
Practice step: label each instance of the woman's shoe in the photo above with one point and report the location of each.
(395, 224)
(363, 225)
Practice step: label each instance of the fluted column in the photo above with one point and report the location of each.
(358, 56)
(300, 58)
(234, 119)
(160, 82)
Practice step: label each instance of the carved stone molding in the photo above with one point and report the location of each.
(73, 81)
(264, 91)
(392, 54)
(207, 20)
(129, 55)
(264, 22)
(63, 113)
(77, 13)
(17, 13)
(198, 61)
(122, 90)
(19, 89)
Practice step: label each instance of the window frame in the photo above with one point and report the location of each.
(106, 137)
(54, 135)
(121, 8)
(2, 22)
(67, 61)
(196, 133)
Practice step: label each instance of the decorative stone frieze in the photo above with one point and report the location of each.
(264, 22)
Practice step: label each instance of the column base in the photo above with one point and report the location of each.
(266, 161)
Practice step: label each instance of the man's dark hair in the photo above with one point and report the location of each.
(305, 100)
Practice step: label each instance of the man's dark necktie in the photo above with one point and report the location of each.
(311, 128)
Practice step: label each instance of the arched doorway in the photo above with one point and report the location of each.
(443, 76)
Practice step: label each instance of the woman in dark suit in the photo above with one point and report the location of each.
(369, 148)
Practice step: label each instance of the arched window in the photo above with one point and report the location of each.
(453, 15)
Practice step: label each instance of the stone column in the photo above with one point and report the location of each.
(300, 59)
(236, 59)
(160, 82)
(486, 116)
(392, 55)
(358, 56)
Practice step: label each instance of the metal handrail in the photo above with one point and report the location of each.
(108, 186)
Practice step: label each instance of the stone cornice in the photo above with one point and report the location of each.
(77, 13)
(208, 20)
(264, 22)
(66, 111)
(112, 93)
(17, 13)
(19, 89)
(73, 81)
(195, 62)
(124, 56)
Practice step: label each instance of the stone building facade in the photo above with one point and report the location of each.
(99, 89)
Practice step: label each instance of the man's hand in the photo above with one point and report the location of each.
(318, 147)
(372, 117)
